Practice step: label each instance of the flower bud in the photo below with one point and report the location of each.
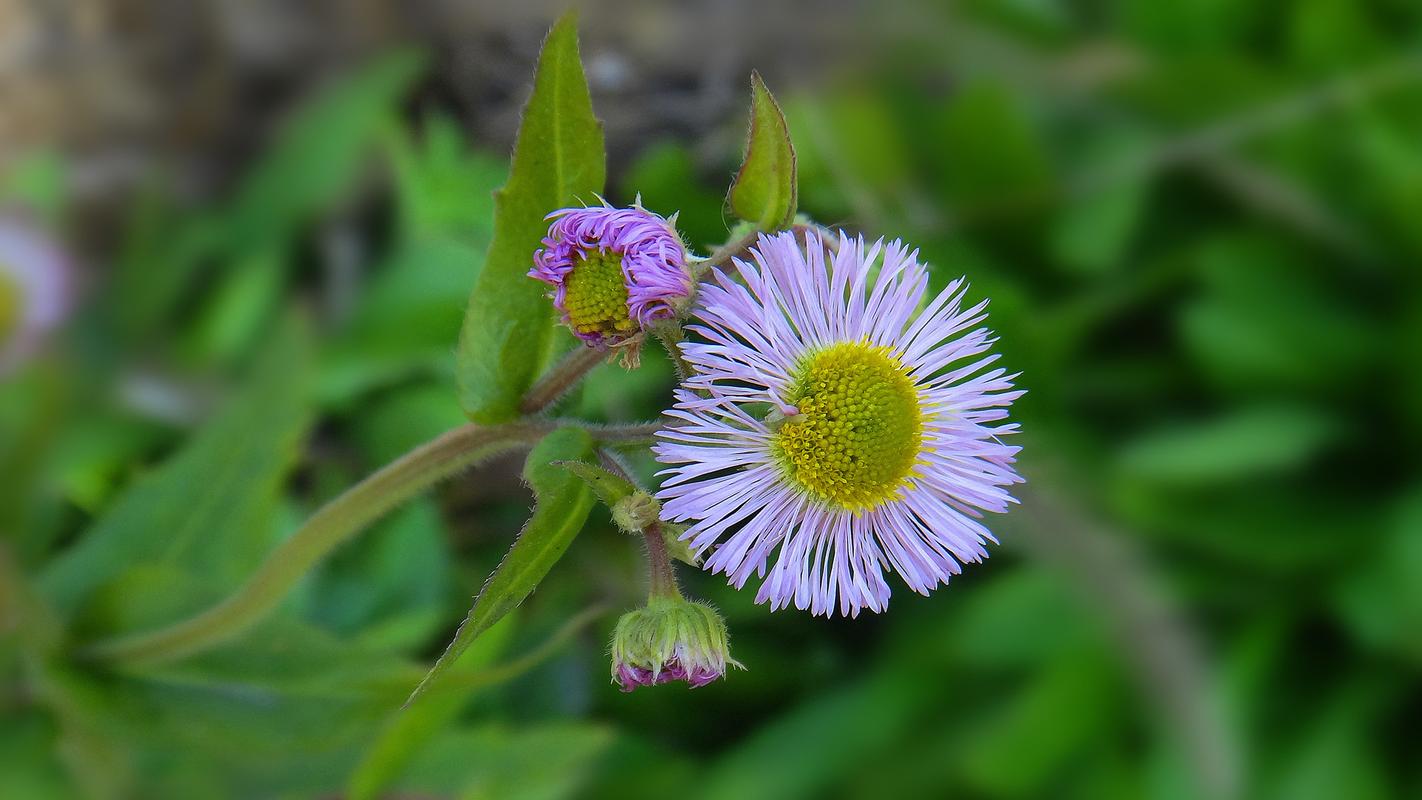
(671, 639)
(635, 512)
(614, 271)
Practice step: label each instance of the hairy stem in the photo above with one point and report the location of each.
(723, 255)
(671, 337)
(662, 575)
(331, 526)
(557, 381)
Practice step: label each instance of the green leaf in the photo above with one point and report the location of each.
(509, 335)
(765, 186)
(210, 508)
(410, 729)
(442, 186)
(562, 504)
(993, 160)
(537, 761)
(1261, 440)
(1019, 748)
(1381, 600)
(608, 487)
(319, 153)
(803, 752)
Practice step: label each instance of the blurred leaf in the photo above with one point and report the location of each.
(399, 571)
(405, 320)
(1331, 34)
(444, 188)
(1269, 526)
(1336, 755)
(1269, 318)
(1381, 600)
(29, 765)
(1178, 29)
(665, 177)
(539, 761)
(802, 752)
(1092, 233)
(764, 189)
(562, 505)
(284, 705)
(36, 183)
(209, 507)
(1042, 615)
(240, 308)
(163, 249)
(318, 154)
(410, 729)
(1016, 752)
(1384, 152)
(1246, 443)
(508, 334)
(991, 156)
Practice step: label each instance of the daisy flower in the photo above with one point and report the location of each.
(614, 271)
(836, 426)
(34, 290)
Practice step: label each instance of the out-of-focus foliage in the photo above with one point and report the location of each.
(1198, 223)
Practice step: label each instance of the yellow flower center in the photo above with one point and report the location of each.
(596, 295)
(858, 431)
(11, 306)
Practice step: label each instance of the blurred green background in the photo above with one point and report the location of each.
(1200, 227)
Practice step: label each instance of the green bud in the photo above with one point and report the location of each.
(636, 512)
(671, 639)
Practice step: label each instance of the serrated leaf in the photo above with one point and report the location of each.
(764, 191)
(563, 501)
(208, 509)
(508, 335)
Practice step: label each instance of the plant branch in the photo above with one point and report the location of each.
(641, 433)
(331, 526)
(723, 255)
(557, 381)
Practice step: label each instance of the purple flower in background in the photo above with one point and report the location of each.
(614, 271)
(34, 290)
(836, 426)
(671, 639)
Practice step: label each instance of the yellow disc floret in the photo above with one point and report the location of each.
(858, 429)
(596, 296)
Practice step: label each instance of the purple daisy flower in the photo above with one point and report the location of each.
(34, 290)
(836, 426)
(614, 271)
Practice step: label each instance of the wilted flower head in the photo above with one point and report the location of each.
(836, 426)
(670, 639)
(614, 271)
(34, 289)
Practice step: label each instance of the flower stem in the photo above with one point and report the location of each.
(562, 377)
(331, 526)
(671, 337)
(723, 255)
(660, 570)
